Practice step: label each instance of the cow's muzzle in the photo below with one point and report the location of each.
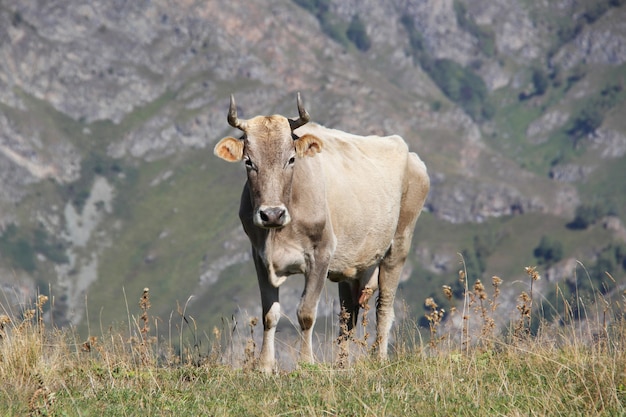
(272, 216)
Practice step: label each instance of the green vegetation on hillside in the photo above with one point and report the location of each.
(416, 40)
(336, 29)
(18, 250)
(357, 34)
(571, 141)
(460, 84)
(592, 112)
(20, 247)
(549, 251)
(587, 215)
(485, 36)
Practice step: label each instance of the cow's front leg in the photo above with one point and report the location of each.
(307, 310)
(271, 315)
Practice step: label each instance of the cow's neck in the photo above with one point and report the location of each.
(282, 254)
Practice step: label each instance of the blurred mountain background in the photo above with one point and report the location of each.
(109, 111)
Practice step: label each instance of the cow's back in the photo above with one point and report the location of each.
(364, 179)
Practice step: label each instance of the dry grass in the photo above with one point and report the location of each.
(468, 368)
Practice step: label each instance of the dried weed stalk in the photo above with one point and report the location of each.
(4, 322)
(42, 400)
(434, 317)
(143, 344)
(476, 300)
(216, 346)
(468, 302)
(343, 340)
(488, 323)
(365, 320)
(525, 306)
(90, 344)
(250, 361)
(41, 300)
(144, 305)
(495, 282)
(522, 327)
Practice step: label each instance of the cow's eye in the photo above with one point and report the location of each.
(249, 164)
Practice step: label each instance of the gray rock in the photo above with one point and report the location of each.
(611, 143)
(602, 43)
(570, 173)
(539, 130)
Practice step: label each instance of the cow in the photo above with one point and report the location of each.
(326, 204)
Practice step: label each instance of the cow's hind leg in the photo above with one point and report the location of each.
(413, 198)
(390, 270)
(349, 301)
(354, 293)
(271, 315)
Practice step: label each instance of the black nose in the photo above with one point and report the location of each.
(273, 216)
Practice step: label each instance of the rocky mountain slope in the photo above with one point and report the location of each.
(109, 111)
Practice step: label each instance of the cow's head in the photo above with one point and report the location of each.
(270, 149)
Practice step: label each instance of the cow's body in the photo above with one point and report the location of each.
(326, 203)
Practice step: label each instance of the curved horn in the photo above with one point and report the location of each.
(304, 116)
(233, 120)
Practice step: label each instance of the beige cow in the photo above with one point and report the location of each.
(326, 204)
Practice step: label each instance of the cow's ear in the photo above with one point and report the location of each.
(308, 145)
(229, 149)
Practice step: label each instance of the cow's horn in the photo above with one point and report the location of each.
(233, 120)
(304, 116)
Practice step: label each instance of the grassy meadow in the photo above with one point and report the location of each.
(466, 363)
